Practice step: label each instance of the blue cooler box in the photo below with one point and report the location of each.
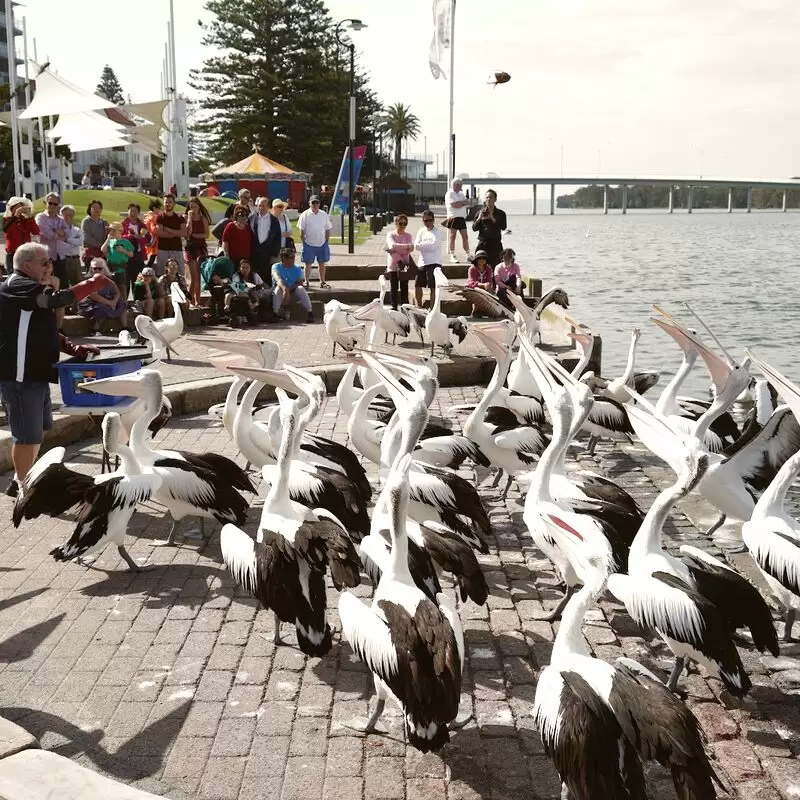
(73, 371)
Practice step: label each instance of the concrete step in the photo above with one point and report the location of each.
(370, 272)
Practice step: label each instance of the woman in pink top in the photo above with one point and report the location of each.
(399, 245)
(507, 277)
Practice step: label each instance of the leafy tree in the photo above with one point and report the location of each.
(278, 83)
(109, 87)
(402, 125)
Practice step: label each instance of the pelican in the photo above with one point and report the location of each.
(513, 450)
(484, 302)
(105, 502)
(163, 333)
(437, 325)
(340, 325)
(640, 381)
(284, 568)
(387, 319)
(204, 484)
(598, 722)
(695, 603)
(771, 535)
(413, 645)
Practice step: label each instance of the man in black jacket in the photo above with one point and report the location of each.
(266, 239)
(29, 350)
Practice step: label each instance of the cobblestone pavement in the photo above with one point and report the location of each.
(168, 679)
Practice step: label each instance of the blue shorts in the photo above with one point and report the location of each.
(28, 409)
(321, 253)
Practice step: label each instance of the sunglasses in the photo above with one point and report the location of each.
(97, 269)
(402, 224)
(51, 203)
(315, 202)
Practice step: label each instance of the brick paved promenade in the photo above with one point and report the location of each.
(168, 680)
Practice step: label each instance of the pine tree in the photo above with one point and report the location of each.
(109, 87)
(280, 85)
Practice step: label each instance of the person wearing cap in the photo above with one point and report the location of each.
(29, 349)
(266, 231)
(52, 230)
(315, 227)
(508, 277)
(237, 238)
(429, 243)
(456, 207)
(148, 294)
(18, 226)
(287, 278)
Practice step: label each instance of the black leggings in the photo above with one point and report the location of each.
(397, 283)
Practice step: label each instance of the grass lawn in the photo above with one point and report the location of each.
(363, 232)
(115, 202)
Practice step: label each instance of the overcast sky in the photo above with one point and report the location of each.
(679, 87)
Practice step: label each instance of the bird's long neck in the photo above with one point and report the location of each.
(771, 502)
(717, 408)
(345, 393)
(138, 435)
(539, 490)
(278, 500)
(231, 400)
(584, 360)
(580, 415)
(668, 401)
(398, 513)
(648, 538)
(130, 464)
(495, 384)
(627, 376)
(569, 639)
(244, 414)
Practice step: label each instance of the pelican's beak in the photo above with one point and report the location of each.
(440, 279)
(129, 385)
(580, 337)
(395, 388)
(497, 330)
(352, 329)
(663, 313)
(788, 390)
(392, 354)
(274, 377)
(495, 348)
(368, 312)
(307, 382)
(519, 305)
(249, 348)
(687, 343)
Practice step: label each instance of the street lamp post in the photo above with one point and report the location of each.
(354, 25)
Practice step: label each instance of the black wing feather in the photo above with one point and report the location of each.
(224, 467)
(53, 492)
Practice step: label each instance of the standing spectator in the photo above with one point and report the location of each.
(237, 239)
(95, 232)
(117, 251)
(106, 302)
(456, 205)
(69, 250)
(429, 243)
(279, 210)
(288, 279)
(490, 224)
(399, 245)
(266, 232)
(52, 230)
(169, 277)
(315, 230)
(246, 201)
(508, 277)
(135, 231)
(18, 226)
(148, 294)
(150, 221)
(51, 280)
(86, 180)
(198, 223)
(29, 349)
(170, 227)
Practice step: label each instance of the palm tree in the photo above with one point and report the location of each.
(402, 125)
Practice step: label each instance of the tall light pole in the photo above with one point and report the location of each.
(353, 25)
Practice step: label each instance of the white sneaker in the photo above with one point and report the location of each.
(470, 256)
(453, 258)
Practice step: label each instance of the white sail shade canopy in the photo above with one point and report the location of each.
(56, 95)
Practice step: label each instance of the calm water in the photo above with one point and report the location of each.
(737, 270)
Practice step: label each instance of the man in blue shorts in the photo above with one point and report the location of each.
(29, 350)
(315, 226)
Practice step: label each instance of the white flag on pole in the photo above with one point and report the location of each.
(440, 44)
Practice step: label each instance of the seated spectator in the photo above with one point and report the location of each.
(480, 276)
(287, 278)
(165, 282)
(507, 277)
(237, 238)
(49, 279)
(117, 251)
(107, 303)
(244, 295)
(216, 272)
(148, 294)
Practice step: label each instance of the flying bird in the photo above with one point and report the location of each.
(499, 77)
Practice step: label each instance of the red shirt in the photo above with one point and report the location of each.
(18, 230)
(240, 240)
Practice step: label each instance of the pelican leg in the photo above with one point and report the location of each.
(431, 348)
(170, 540)
(593, 440)
(497, 479)
(717, 525)
(386, 338)
(564, 791)
(333, 351)
(169, 353)
(677, 670)
(788, 624)
(555, 614)
(131, 563)
(195, 533)
(276, 638)
(504, 493)
(458, 723)
(376, 715)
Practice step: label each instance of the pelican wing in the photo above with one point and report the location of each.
(454, 555)
(224, 468)
(249, 562)
(525, 439)
(449, 451)
(341, 555)
(778, 555)
(485, 302)
(736, 598)
(368, 632)
(611, 415)
(454, 492)
(644, 381)
(759, 461)
(343, 456)
(52, 489)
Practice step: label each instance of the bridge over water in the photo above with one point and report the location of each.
(625, 181)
